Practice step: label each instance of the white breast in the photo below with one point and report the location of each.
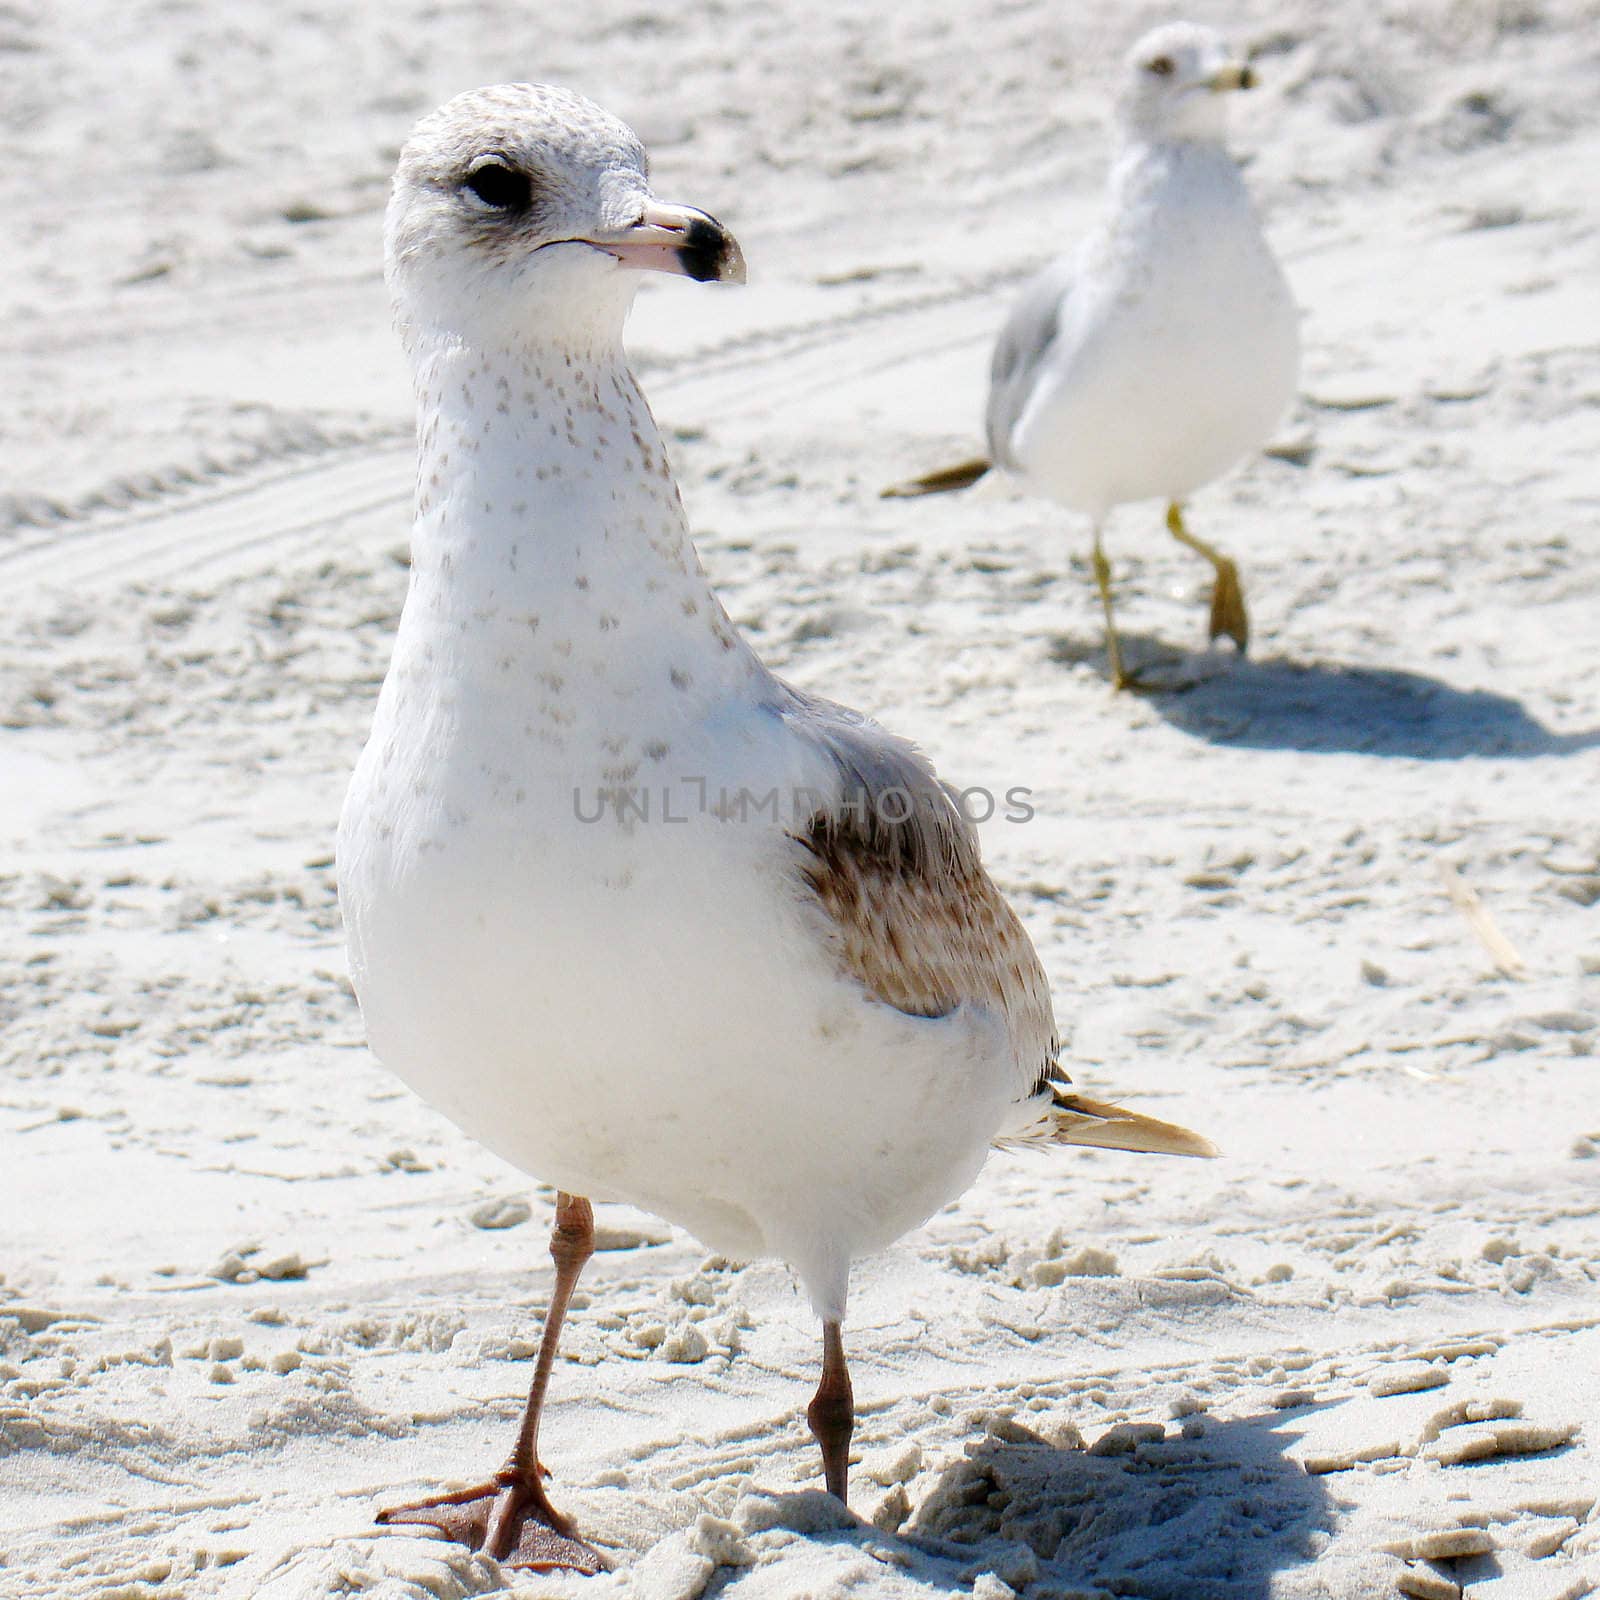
(632, 1001)
(1178, 348)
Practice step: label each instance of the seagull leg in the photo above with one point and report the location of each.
(1228, 615)
(832, 1413)
(509, 1517)
(1102, 578)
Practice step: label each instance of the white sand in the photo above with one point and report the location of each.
(1238, 885)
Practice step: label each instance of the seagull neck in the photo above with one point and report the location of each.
(1151, 176)
(546, 504)
(1142, 153)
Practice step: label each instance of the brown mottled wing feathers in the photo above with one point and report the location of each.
(915, 918)
(921, 943)
(919, 924)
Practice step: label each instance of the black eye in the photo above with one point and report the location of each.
(1161, 66)
(498, 186)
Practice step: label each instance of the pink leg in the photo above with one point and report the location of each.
(509, 1517)
(832, 1413)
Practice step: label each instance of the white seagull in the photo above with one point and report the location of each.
(628, 909)
(1166, 347)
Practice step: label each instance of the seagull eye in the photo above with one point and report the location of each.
(1160, 66)
(498, 186)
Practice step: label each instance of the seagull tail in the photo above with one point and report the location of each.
(1074, 1120)
(946, 479)
(1057, 1116)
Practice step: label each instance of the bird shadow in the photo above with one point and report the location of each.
(1215, 1516)
(1271, 703)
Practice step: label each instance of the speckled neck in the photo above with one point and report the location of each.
(549, 531)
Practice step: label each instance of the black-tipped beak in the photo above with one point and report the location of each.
(677, 239)
(1235, 75)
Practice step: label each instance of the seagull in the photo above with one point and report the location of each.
(643, 919)
(1166, 347)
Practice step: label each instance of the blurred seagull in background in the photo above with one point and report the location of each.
(1166, 347)
(794, 1018)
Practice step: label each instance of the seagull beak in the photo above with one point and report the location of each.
(676, 239)
(1232, 75)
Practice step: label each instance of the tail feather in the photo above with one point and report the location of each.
(1066, 1118)
(961, 476)
(1092, 1122)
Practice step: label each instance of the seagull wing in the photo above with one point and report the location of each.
(912, 914)
(916, 920)
(1024, 344)
(1025, 341)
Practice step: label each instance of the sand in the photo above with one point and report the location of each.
(1334, 905)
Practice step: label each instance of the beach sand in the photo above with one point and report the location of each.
(1335, 905)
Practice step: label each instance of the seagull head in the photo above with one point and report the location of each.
(1175, 81)
(525, 211)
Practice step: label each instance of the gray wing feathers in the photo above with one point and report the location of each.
(1024, 341)
(889, 792)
